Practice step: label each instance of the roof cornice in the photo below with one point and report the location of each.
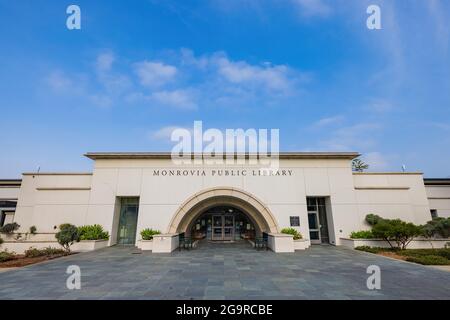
(168, 155)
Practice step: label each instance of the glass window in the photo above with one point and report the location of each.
(434, 213)
(312, 221)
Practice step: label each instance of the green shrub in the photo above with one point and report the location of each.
(445, 253)
(437, 227)
(297, 235)
(429, 260)
(67, 235)
(9, 228)
(363, 234)
(396, 231)
(147, 234)
(33, 229)
(373, 219)
(33, 252)
(93, 232)
(6, 256)
(370, 249)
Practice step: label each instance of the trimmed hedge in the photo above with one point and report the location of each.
(363, 234)
(6, 256)
(33, 252)
(429, 260)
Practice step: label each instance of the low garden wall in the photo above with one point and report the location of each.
(418, 243)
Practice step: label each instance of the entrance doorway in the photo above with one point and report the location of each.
(317, 221)
(128, 221)
(223, 223)
(223, 228)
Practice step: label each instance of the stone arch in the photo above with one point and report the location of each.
(203, 200)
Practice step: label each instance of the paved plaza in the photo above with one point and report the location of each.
(225, 271)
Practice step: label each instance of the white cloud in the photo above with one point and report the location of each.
(155, 74)
(240, 72)
(180, 99)
(379, 106)
(376, 161)
(104, 62)
(352, 138)
(312, 7)
(165, 133)
(58, 81)
(329, 121)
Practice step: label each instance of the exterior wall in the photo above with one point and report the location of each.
(161, 196)
(9, 192)
(47, 200)
(390, 195)
(439, 199)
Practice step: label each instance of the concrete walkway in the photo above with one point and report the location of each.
(225, 271)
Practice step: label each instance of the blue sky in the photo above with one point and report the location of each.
(139, 68)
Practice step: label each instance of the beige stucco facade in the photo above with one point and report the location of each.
(171, 196)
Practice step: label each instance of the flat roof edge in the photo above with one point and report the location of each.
(168, 155)
(388, 173)
(57, 173)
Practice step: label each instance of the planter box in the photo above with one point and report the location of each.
(19, 247)
(88, 245)
(302, 244)
(418, 243)
(145, 245)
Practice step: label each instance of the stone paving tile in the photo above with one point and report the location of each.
(225, 271)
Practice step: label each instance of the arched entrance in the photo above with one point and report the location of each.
(221, 209)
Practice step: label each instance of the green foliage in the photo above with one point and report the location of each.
(359, 166)
(445, 253)
(147, 234)
(67, 235)
(6, 256)
(33, 229)
(373, 219)
(1, 240)
(363, 234)
(9, 228)
(370, 249)
(437, 227)
(297, 235)
(396, 231)
(92, 232)
(48, 252)
(429, 260)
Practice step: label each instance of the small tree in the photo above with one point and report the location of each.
(9, 228)
(373, 219)
(397, 231)
(359, 166)
(67, 235)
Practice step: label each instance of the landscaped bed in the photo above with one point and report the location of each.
(31, 256)
(421, 256)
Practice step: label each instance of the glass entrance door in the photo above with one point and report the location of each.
(217, 228)
(317, 221)
(228, 228)
(223, 228)
(314, 228)
(128, 221)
